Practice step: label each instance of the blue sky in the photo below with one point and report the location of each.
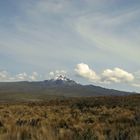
(93, 41)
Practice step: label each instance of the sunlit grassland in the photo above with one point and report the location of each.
(85, 118)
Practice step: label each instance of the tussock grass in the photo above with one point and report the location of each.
(95, 118)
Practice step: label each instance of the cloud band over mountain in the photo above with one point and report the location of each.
(107, 76)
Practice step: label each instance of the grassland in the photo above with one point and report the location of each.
(87, 118)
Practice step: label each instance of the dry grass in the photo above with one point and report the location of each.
(97, 118)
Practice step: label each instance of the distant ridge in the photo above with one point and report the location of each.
(59, 86)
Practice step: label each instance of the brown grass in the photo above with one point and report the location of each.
(96, 118)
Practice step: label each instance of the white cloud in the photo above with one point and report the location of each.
(137, 75)
(7, 77)
(35, 76)
(135, 85)
(116, 75)
(108, 76)
(51, 74)
(24, 76)
(4, 75)
(21, 76)
(83, 70)
(56, 73)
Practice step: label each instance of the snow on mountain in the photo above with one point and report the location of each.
(60, 80)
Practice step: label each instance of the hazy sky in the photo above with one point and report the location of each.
(91, 41)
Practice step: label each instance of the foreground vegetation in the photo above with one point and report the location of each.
(88, 118)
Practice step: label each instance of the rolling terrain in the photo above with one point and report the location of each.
(58, 87)
(60, 108)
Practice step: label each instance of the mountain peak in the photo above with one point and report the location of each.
(60, 80)
(61, 77)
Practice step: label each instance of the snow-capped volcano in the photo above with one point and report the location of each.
(58, 86)
(60, 80)
(61, 77)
